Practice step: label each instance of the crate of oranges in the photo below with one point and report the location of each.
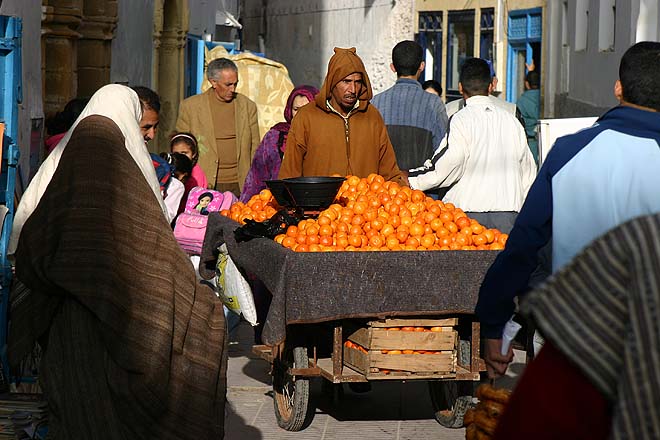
(370, 214)
(416, 347)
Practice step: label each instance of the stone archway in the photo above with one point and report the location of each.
(170, 29)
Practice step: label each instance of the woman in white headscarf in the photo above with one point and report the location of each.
(122, 105)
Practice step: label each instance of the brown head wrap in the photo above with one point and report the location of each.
(343, 63)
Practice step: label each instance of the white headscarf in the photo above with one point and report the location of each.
(122, 105)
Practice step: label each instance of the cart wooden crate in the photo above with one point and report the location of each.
(421, 348)
(359, 297)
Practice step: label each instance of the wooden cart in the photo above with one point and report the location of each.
(321, 299)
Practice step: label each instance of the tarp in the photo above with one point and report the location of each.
(310, 287)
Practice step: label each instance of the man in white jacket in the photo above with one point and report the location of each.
(483, 159)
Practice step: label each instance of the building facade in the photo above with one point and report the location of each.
(302, 35)
(509, 34)
(585, 43)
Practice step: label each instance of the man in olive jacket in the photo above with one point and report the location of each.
(226, 127)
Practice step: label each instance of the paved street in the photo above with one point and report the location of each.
(392, 410)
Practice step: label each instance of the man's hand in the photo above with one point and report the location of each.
(404, 177)
(496, 364)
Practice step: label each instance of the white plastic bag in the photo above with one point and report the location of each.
(233, 288)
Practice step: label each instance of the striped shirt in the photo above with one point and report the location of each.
(416, 121)
(602, 312)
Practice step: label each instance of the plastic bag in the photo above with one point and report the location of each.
(277, 224)
(233, 288)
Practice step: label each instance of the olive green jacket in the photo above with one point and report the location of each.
(195, 117)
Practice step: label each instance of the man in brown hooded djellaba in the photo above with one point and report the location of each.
(340, 132)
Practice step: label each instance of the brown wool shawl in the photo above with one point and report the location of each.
(603, 312)
(134, 346)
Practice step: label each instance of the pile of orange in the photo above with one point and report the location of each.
(260, 207)
(374, 215)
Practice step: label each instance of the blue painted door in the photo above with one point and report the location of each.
(10, 97)
(525, 31)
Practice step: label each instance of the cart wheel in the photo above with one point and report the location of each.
(450, 400)
(291, 394)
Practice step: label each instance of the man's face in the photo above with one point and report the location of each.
(346, 92)
(225, 84)
(149, 124)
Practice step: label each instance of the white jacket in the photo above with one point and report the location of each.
(484, 157)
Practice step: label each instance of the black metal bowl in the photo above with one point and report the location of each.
(278, 190)
(313, 193)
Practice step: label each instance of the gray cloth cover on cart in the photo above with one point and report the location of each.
(311, 287)
(134, 346)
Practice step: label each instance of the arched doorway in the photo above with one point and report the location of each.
(170, 30)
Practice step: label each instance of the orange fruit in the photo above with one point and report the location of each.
(412, 242)
(354, 240)
(490, 235)
(289, 242)
(502, 239)
(451, 226)
(311, 239)
(377, 240)
(326, 240)
(446, 217)
(265, 195)
(387, 230)
(416, 230)
(427, 240)
(292, 231)
(463, 222)
(392, 243)
(479, 239)
(325, 230)
(436, 224)
(355, 230)
(477, 229)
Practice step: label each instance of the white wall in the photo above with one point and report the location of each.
(591, 72)
(32, 106)
(202, 16)
(132, 47)
(302, 35)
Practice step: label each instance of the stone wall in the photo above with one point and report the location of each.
(302, 35)
(569, 107)
(132, 48)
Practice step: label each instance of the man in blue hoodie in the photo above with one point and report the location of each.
(590, 182)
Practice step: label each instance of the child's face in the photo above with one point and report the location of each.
(183, 148)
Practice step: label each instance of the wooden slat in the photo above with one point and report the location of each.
(337, 352)
(414, 322)
(399, 340)
(410, 376)
(444, 362)
(379, 339)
